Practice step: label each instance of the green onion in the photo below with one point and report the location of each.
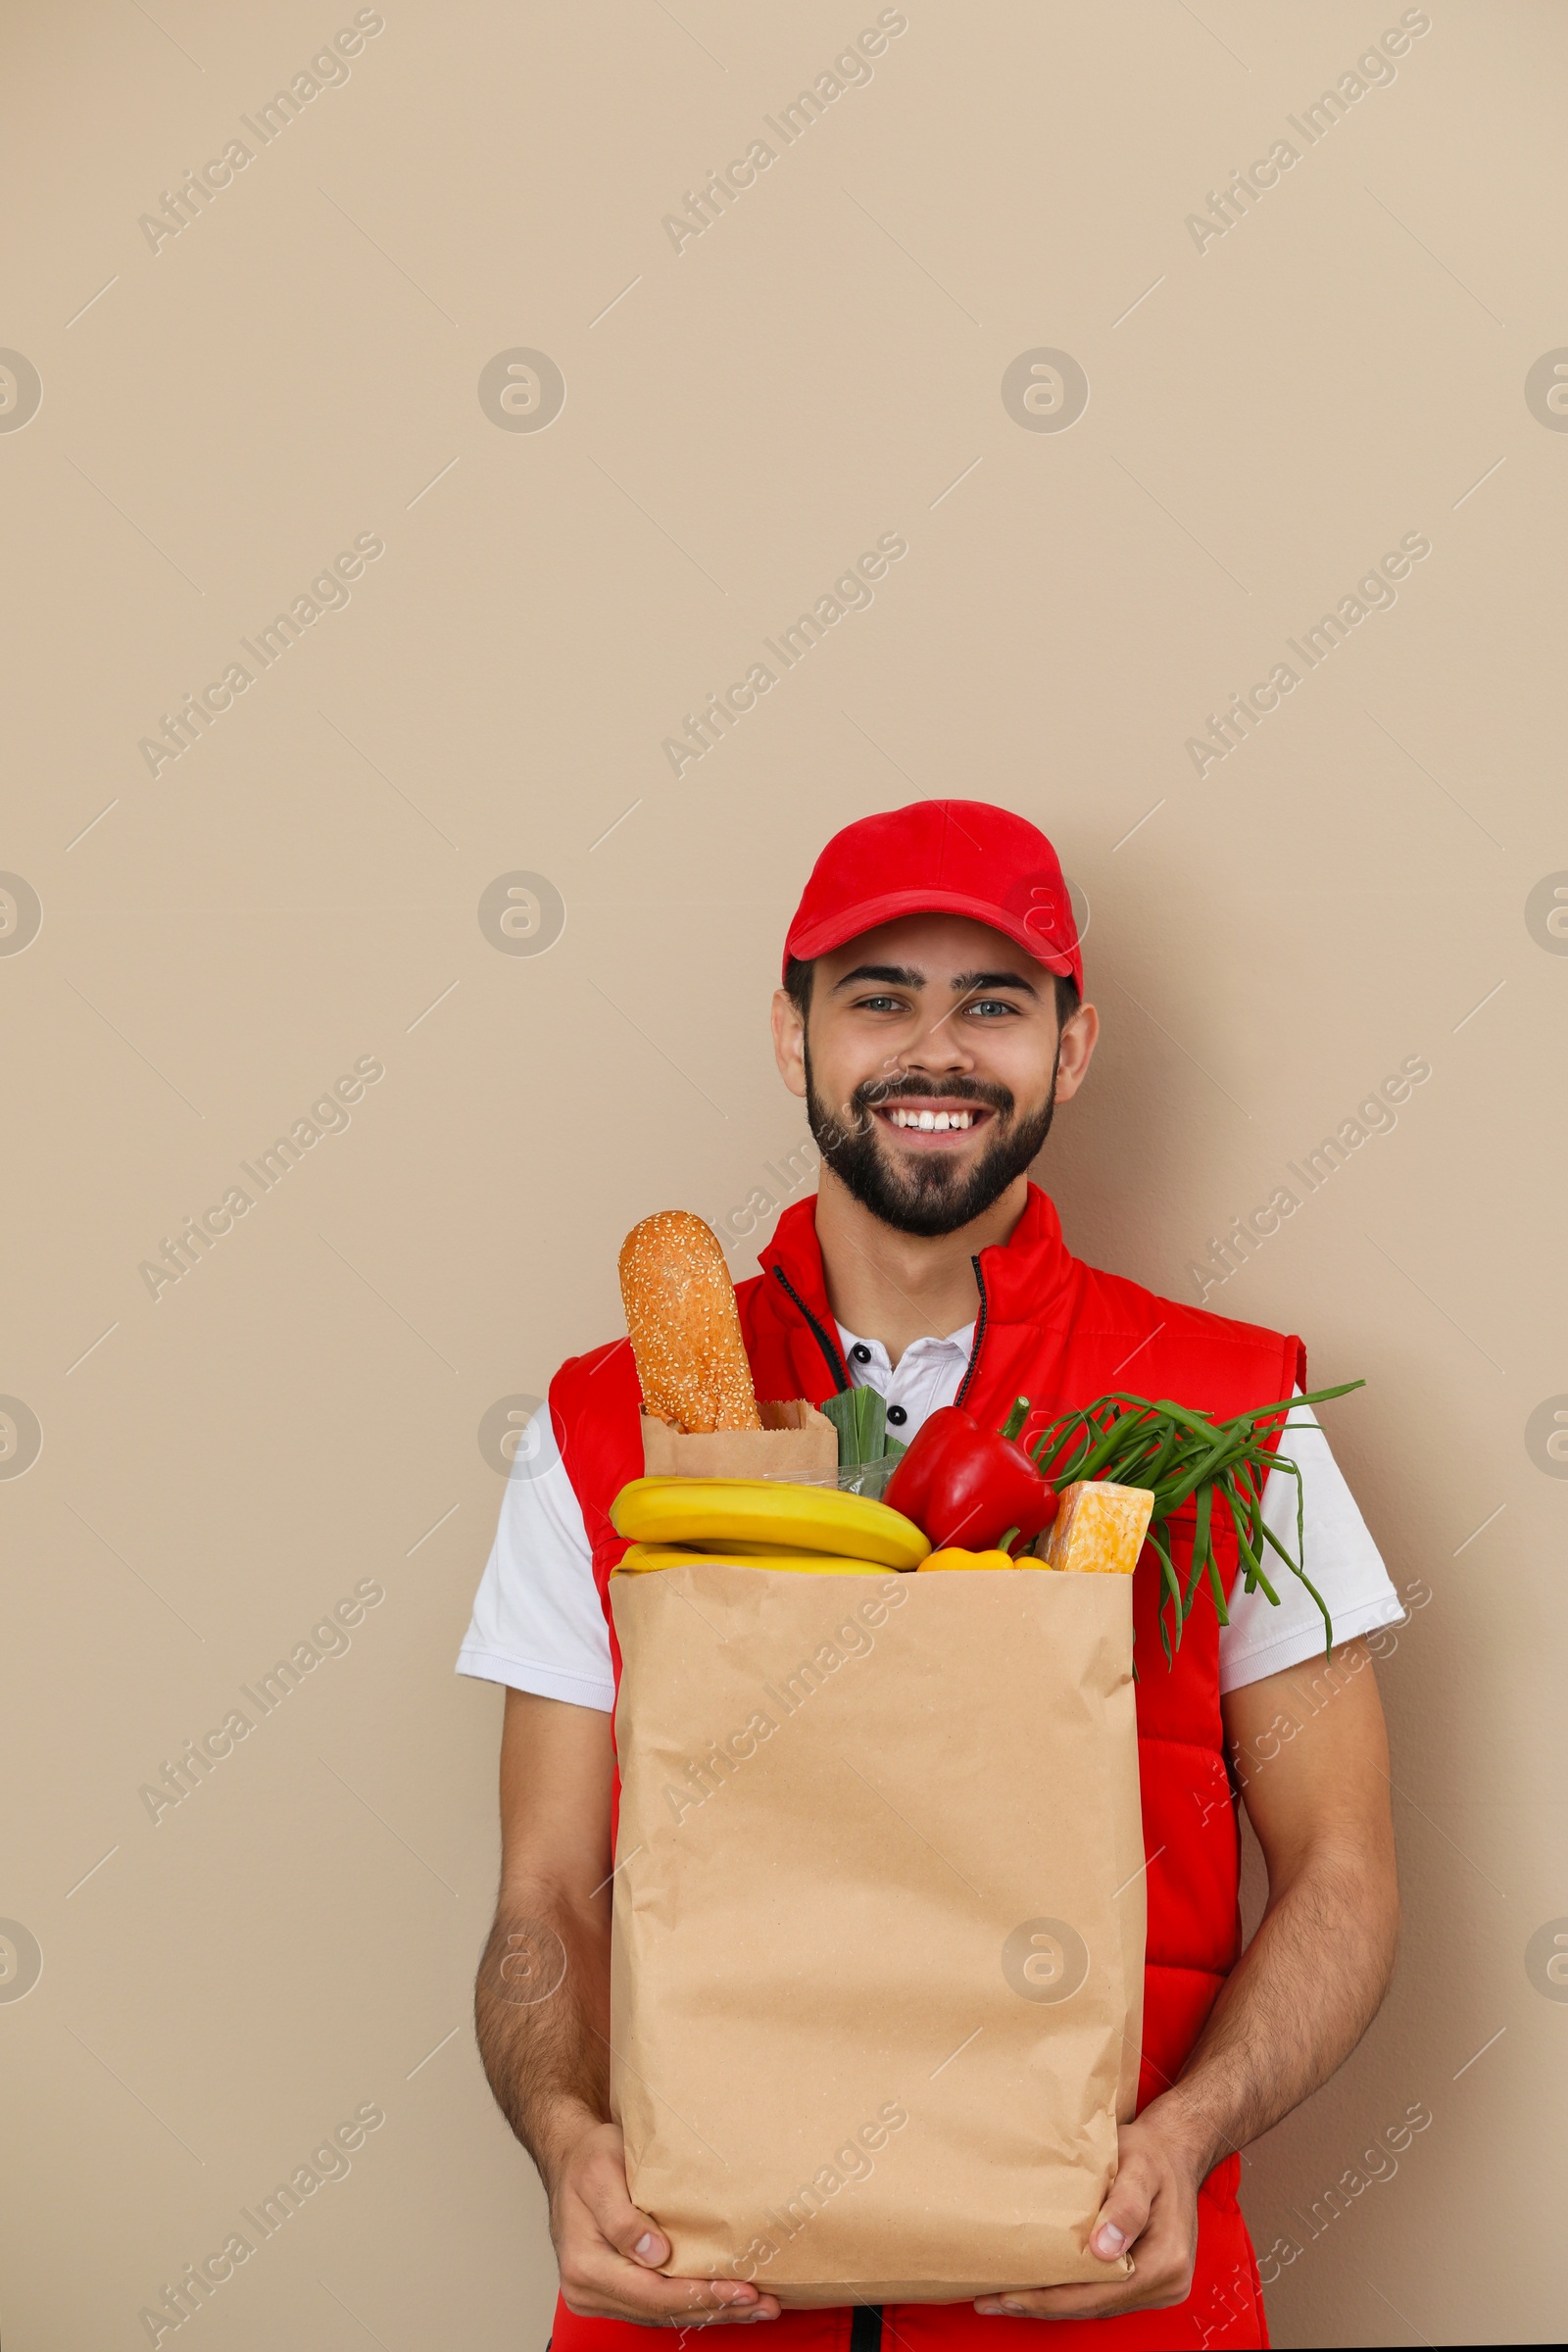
(1181, 1456)
(861, 1417)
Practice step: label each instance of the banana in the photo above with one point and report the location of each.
(765, 1554)
(644, 1557)
(763, 1510)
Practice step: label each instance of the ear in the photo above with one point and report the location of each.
(1080, 1033)
(789, 1042)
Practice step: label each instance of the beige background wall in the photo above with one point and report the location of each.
(1369, 877)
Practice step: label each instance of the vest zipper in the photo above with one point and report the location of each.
(979, 1332)
(835, 1361)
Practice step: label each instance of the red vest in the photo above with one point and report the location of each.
(1061, 1333)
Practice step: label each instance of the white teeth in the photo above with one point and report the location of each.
(942, 1122)
(928, 1119)
(933, 1122)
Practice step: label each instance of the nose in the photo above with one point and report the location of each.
(941, 1046)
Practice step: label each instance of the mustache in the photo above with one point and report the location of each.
(853, 1117)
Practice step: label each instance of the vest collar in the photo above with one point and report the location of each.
(1020, 1280)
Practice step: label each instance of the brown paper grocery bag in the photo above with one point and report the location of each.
(795, 1443)
(878, 1928)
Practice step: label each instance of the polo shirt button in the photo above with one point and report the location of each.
(860, 1352)
(897, 1416)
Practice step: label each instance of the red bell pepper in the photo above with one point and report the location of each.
(968, 1486)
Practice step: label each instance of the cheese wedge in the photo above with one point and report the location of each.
(1099, 1527)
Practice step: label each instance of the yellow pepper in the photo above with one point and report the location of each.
(951, 1557)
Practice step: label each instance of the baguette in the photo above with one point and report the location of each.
(685, 1329)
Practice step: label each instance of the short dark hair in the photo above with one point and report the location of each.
(798, 988)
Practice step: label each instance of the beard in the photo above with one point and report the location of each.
(920, 1192)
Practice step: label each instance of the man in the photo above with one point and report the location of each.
(932, 1019)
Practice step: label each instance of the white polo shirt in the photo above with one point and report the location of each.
(538, 1624)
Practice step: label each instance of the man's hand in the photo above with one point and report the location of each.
(542, 2008)
(610, 2253)
(1150, 2214)
(1312, 1759)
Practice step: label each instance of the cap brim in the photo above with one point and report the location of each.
(821, 937)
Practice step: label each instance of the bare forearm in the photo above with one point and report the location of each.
(541, 2015)
(1292, 2009)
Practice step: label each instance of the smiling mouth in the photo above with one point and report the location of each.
(934, 1120)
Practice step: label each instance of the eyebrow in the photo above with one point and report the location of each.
(964, 984)
(897, 975)
(971, 983)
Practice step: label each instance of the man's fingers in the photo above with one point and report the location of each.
(1124, 2215)
(603, 2190)
(611, 2253)
(643, 2242)
(612, 2259)
(1122, 2222)
(605, 2286)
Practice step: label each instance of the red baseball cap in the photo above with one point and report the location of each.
(939, 858)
